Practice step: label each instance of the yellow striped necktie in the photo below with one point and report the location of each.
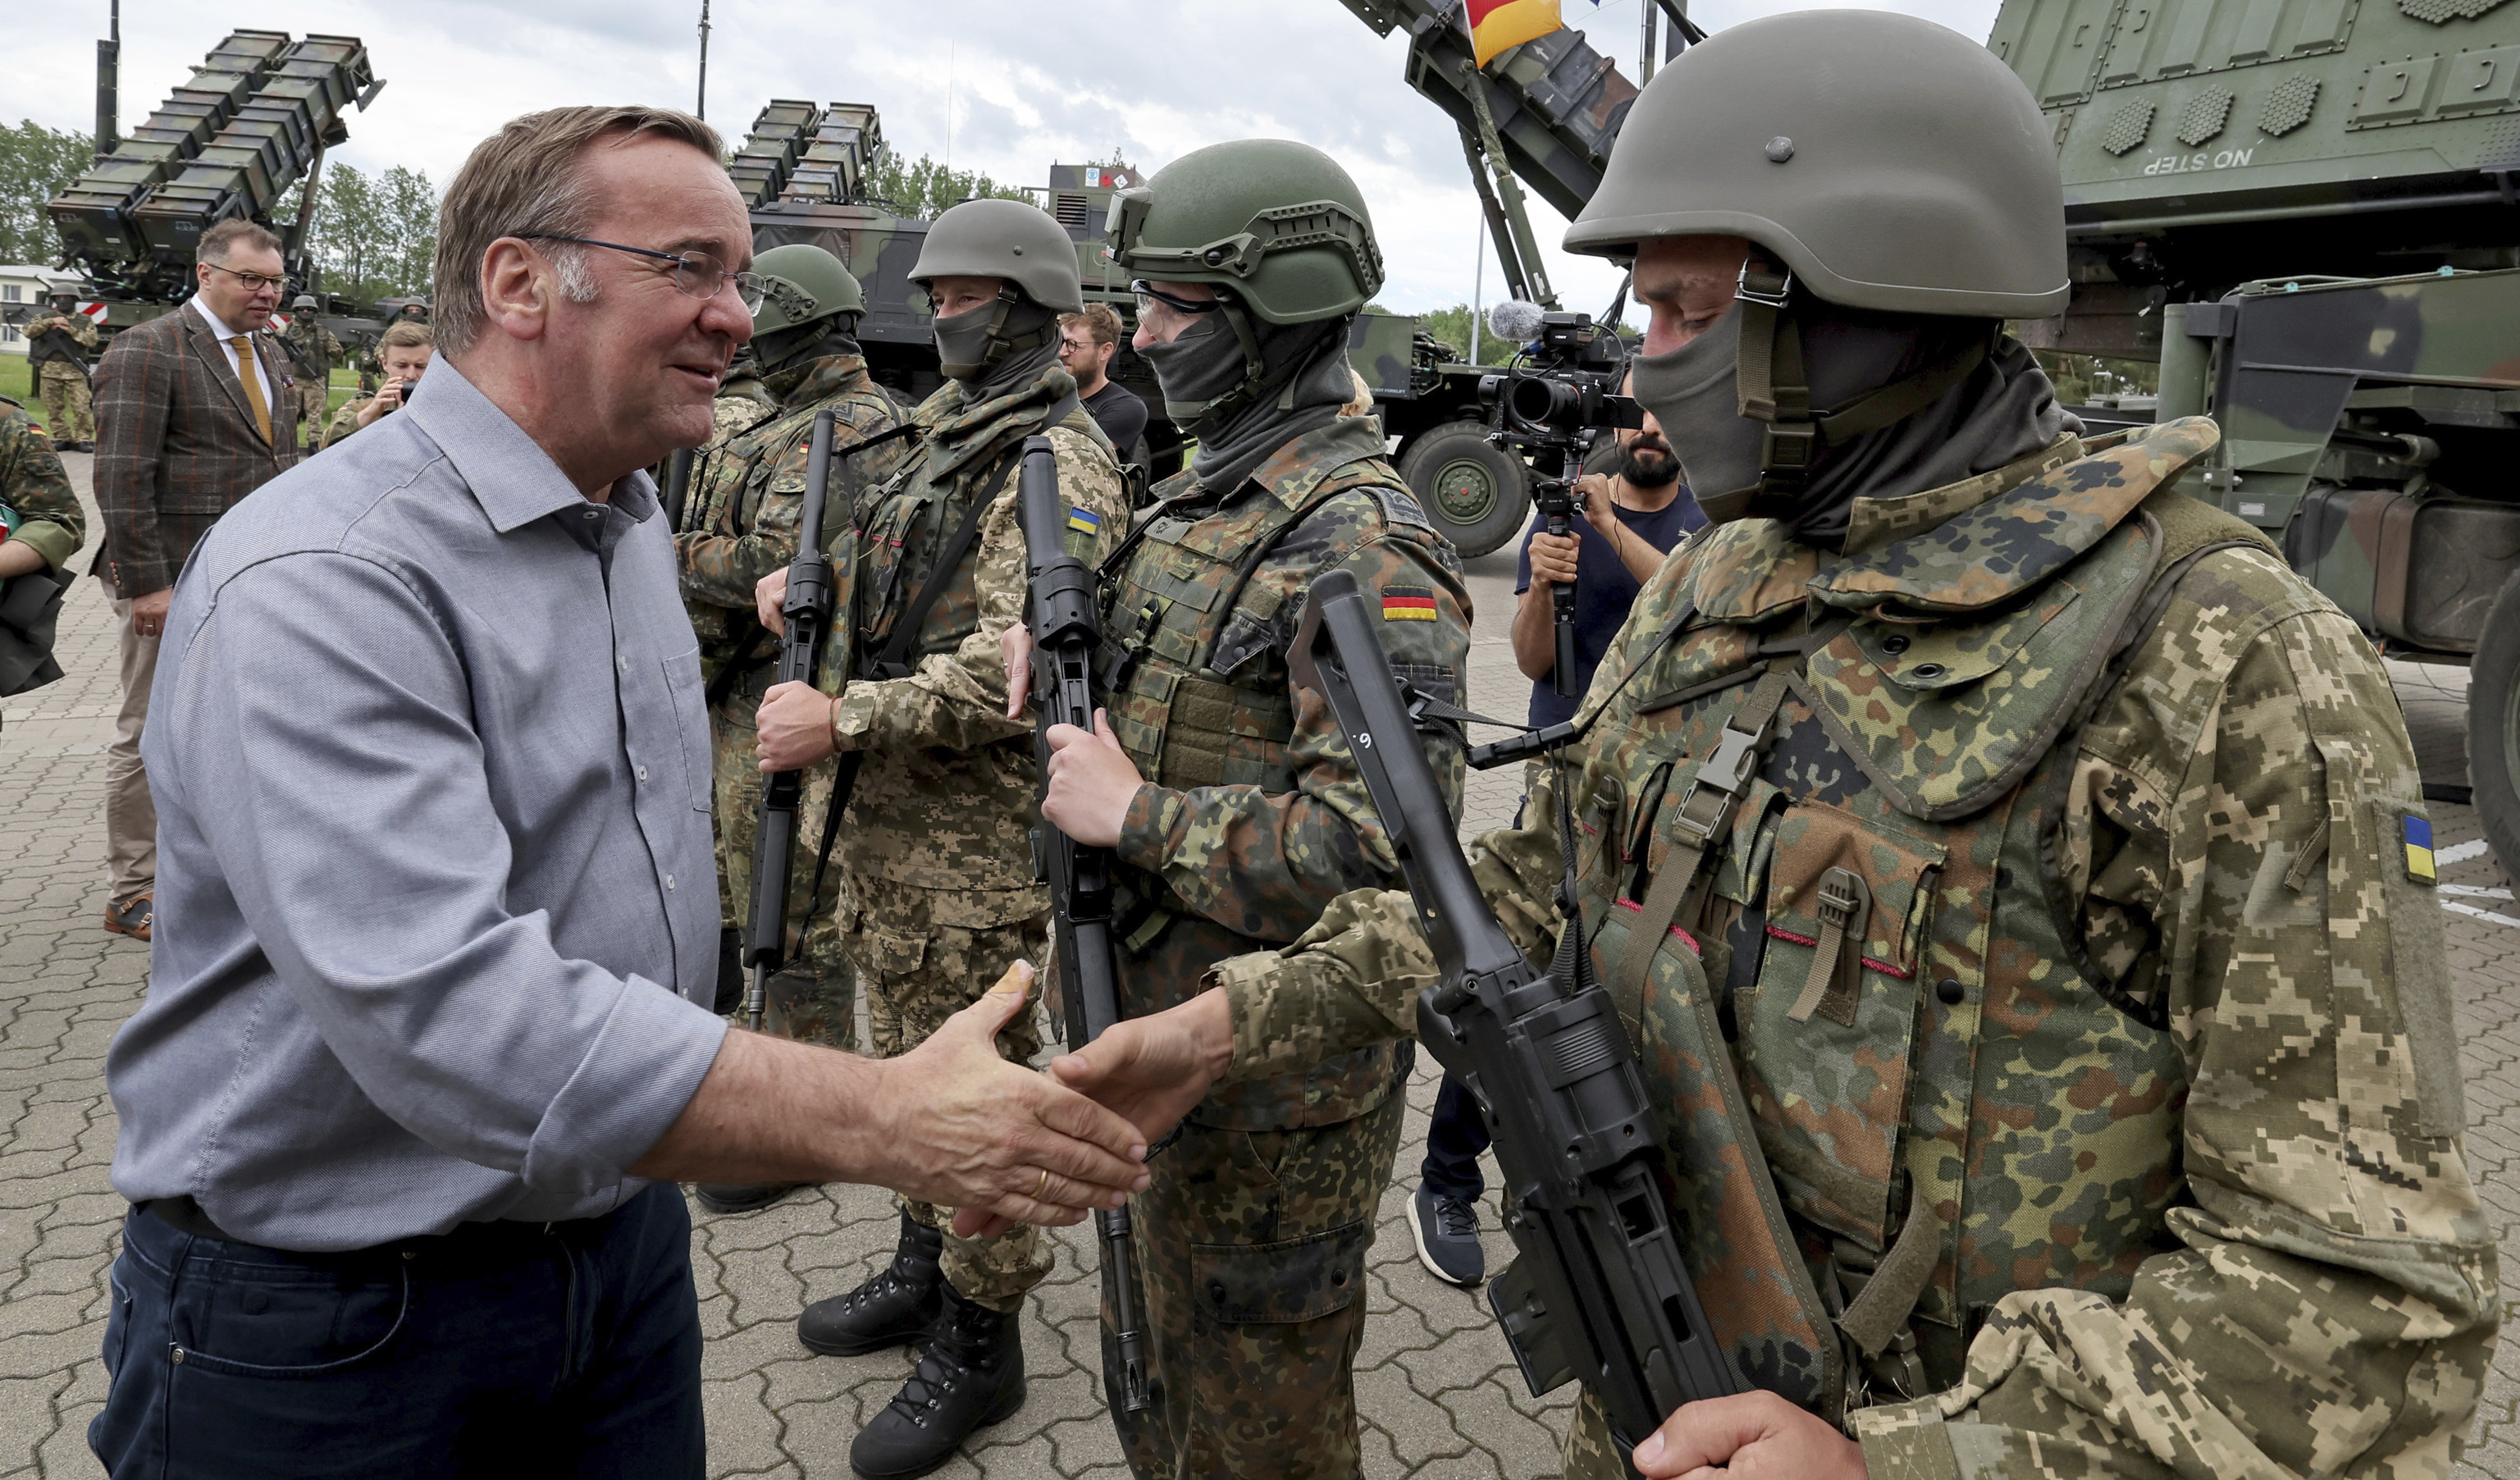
(247, 373)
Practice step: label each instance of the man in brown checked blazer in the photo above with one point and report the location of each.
(193, 411)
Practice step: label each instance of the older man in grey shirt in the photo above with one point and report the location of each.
(436, 910)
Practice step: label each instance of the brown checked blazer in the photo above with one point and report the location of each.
(176, 444)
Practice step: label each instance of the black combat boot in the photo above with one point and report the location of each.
(970, 1376)
(741, 1196)
(894, 1308)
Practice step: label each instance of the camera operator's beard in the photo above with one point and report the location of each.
(1647, 462)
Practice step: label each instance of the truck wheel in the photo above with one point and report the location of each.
(2493, 727)
(1478, 495)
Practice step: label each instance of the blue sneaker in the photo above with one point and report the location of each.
(1447, 1236)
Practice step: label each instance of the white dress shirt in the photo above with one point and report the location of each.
(218, 326)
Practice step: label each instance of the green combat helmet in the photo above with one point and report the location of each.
(1026, 250)
(1875, 162)
(801, 283)
(1276, 227)
(1887, 162)
(305, 302)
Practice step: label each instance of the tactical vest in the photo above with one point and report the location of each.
(1198, 696)
(723, 475)
(1922, 1094)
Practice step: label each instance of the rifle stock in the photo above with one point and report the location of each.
(808, 619)
(1065, 629)
(1598, 1290)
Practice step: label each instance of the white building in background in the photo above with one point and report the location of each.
(21, 284)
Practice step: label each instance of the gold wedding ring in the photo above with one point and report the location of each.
(1045, 1184)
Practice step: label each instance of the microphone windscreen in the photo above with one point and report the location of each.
(1515, 321)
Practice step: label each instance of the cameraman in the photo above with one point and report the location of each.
(1633, 511)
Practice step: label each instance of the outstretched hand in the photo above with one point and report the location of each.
(1150, 1071)
(969, 1130)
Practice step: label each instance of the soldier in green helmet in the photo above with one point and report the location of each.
(937, 896)
(740, 523)
(1232, 798)
(2015, 881)
(313, 352)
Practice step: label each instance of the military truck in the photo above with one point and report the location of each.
(805, 172)
(2304, 211)
(252, 120)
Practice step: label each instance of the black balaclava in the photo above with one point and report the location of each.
(1303, 383)
(999, 347)
(2003, 410)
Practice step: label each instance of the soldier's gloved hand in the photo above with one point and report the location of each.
(1749, 1436)
(1014, 644)
(794, 723)
(968, 1128)
(1092, 783)
(770, 601)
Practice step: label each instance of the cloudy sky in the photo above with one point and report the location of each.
(1014, 85)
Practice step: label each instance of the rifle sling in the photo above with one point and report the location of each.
(888, 663)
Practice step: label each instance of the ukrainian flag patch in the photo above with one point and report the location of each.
(2419, 849)
(1408, 603)
(1084, 521)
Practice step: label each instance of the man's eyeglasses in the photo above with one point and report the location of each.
(255, 282)
(1148, 295)
(697, 273)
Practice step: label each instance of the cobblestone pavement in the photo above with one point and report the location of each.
(1439, 1394)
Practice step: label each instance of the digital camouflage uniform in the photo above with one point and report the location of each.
(314, 352)
(739, 524)
(934, 860)
(1251, 1241)
(2121, 1134)
(60, 376)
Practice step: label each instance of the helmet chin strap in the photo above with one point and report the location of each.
(1776, 388)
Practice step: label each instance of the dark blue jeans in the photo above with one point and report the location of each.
(1454, 1143)
(500, 1350)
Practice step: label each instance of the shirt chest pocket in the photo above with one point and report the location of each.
(685, 687)
(1828, 1029)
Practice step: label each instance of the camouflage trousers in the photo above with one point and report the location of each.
(312, 412)
(922, 955)
(65, 405)
(811, 998)
(1251, 1252)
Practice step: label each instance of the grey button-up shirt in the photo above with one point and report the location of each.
(437, 912)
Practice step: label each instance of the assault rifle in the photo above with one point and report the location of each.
(1066, 630)
(1600, 1290)
(808, 618)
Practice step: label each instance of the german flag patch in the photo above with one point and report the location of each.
(1084, 521)
(1408, 603)
(2419, 849)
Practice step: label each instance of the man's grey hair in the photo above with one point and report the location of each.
(529, 177)
(220, 241)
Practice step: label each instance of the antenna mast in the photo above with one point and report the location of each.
(702, 109)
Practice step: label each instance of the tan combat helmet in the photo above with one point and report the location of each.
(1885, 162)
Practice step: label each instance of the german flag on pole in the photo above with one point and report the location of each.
(1496, 25)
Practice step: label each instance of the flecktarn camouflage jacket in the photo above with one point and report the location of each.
(2057, 1063)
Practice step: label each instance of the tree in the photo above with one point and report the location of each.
(926, 189)
(36, 163)
(376, 235)
(1116, 160)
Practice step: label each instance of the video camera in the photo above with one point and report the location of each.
(1553, 404)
